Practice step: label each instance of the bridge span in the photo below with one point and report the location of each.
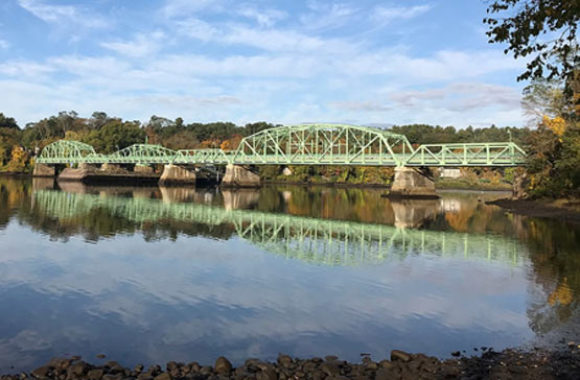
(308, 144)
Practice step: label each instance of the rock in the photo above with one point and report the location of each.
(78, 369)
(331, 369)
(267, 374)
(171, 366)
(42, 372)
(163, 376)
(397, 355)
(223, 366)
(138, 368)
(385, 364)
(101, 356)
(384, 374)
(285, 361)
(331, 358)
(95, 374)
(456, 353)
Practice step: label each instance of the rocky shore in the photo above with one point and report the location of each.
(508, 364)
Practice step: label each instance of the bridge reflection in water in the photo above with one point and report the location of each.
(314, 240)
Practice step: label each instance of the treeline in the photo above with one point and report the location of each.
(108, 134)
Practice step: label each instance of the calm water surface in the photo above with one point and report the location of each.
(148, 275)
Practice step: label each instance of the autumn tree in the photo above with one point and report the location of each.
(543, 30)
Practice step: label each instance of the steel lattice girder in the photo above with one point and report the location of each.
(310, 144)
(322, 241)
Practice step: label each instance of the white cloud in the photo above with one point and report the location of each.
(273, 40)
(386, 15)
(266, 18)
(327, 16)
(58, 14)
(4, 44)
(142, 45)
(185, 8)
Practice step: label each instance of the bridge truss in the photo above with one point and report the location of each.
(310, 144)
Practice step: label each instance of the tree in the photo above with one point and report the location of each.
(7, 122)
(116, 135)
(543, 29)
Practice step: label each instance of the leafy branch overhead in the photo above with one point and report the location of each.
(544, 30)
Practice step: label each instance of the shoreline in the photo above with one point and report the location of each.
(509, 363)
(559, 209)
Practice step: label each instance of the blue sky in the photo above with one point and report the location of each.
(362, 62)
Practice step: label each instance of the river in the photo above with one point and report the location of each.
(148, 275)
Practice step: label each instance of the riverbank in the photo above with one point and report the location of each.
(508, 364)
(564, 209)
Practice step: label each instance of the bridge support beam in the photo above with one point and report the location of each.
(41, 170)
(177, 175)
(239, 176)
(410, 183)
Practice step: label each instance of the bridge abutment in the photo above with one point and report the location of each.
(177, 175)
(239, 176)
(410, 183)
(41, 170)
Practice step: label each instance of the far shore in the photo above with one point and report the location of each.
(567, 209)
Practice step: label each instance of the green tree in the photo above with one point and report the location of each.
(116, 135)
(7, 122)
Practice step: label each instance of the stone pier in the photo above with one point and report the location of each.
(143, 169)
(177, 175)
(41, 170)
(239, 176)
(411, 183)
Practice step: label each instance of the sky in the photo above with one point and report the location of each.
(362, 62)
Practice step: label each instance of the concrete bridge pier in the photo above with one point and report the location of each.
(239, 176)
(42, 170)
(177, 175)
(411, 183)
(143, 169)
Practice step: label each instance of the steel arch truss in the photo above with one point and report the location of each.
(323, 144)
(144, 154)
(66, 151)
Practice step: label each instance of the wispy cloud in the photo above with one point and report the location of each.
(142, 45)
(4, 44)
(325, 16)
(57, 14)
(186, 8)
(386, 15)
(266, 18)
(368, 106)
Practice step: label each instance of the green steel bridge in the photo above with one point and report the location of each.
(309, 144)
(320, 241)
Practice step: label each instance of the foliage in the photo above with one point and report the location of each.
(7, 122)
(116, 135)
(544, 29)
